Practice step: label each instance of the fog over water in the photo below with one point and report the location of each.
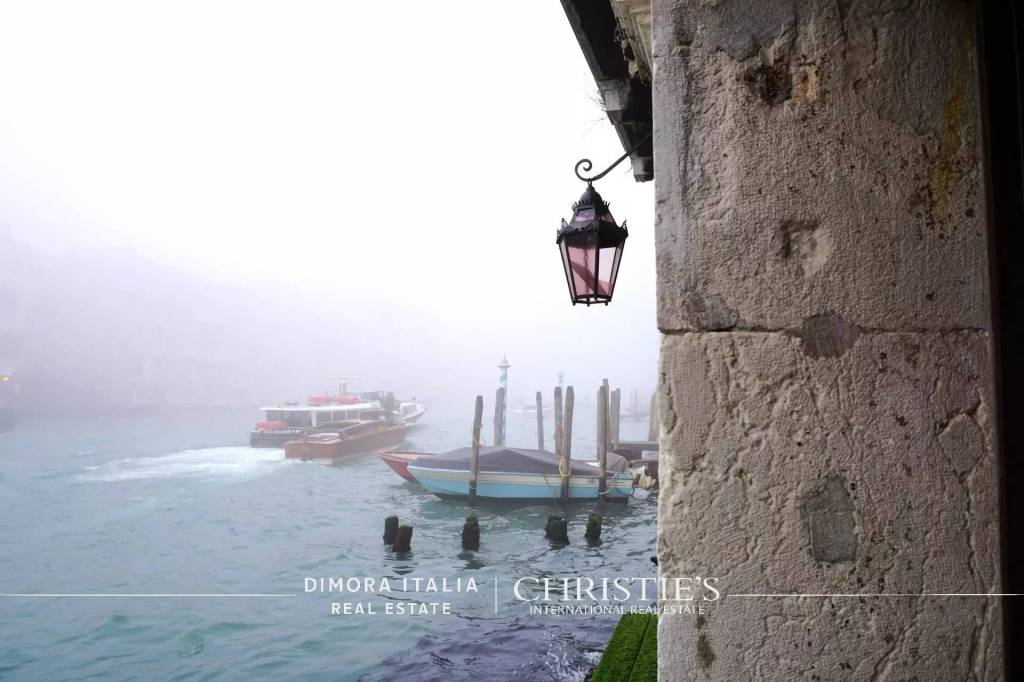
(227, 203)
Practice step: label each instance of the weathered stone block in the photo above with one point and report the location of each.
(818, 159)
(869, 471)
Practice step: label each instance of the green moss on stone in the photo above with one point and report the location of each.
(632, 652)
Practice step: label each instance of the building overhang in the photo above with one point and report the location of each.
(615, 37)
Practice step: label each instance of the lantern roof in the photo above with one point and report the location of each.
(591, 214)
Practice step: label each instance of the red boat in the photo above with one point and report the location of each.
(399, 461)
(350, 438)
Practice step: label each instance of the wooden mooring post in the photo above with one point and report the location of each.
(565, 461)
(471, 533)
(403, 539)
(558, 420)
(593, 533)
(540, 421)
(499, 417)
(557, 530)
(615, 414)
(602, 440)
(652, 419)
(474, 459)
(390, 529)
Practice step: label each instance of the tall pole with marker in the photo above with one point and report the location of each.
(502, 409)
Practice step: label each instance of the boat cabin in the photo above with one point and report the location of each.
(307, 416)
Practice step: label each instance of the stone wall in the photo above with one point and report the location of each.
(826, 373)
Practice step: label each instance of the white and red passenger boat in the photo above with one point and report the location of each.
(325, 413)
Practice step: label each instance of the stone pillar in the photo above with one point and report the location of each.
(826, 370)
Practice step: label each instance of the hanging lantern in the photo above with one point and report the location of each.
(591, 245)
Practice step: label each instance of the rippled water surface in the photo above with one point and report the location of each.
(176, 503)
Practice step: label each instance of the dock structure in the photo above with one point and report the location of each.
(633, 450)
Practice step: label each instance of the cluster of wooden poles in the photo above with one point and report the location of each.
(399, 537)
(608, 418)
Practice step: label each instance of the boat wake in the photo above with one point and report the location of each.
(222, 462)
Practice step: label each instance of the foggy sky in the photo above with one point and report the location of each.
(292, 190)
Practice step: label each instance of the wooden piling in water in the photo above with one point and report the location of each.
(471, 533)
(474, 460)
(540, 421)
(499, 417)
(615, 416)
(403, 539)
(557, 530)
(390, 529)
(593, 533)
(565, 461)
(652, 419)
(558, 420)
(602, 440)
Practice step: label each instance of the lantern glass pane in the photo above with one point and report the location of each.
(606, 274)
(582, 253)
(564, 248)
(584, 215)
(615, 268)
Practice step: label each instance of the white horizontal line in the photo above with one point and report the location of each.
(160, 595)
(884, 594)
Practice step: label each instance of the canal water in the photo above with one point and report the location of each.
(176, 503)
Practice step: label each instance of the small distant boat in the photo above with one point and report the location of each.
(519, 474)
(346, 440)
(399, 461)
(411, 411)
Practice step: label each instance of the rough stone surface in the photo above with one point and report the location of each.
(818, 157)
(874, 472)
(825, 399)
(828, 514)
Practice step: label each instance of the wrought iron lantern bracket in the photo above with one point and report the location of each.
(587, 164)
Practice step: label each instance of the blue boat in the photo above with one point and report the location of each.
(519, 474)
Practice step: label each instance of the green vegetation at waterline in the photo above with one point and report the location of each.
(632, 652)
